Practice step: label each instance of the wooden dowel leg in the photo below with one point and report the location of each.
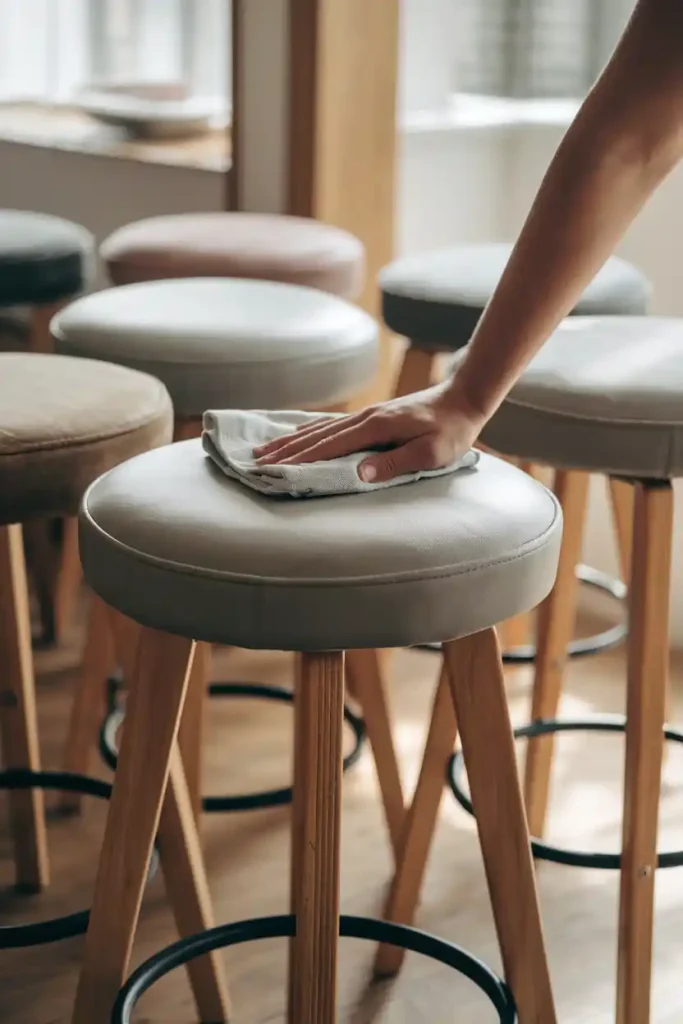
(68, 582)
(419, 826)
(417, 370)
(153, 713)
(478, 688)
(556, 617)
(18, 721)
(191, 732)
(648, 669)
(365, 678)
(316, 819)
(188, 891)
(621, 499)
(89, 704)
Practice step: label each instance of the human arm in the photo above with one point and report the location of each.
(627, 136)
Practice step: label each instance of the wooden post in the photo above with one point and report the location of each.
(314, 121)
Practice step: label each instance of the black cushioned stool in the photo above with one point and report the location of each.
(170, 542)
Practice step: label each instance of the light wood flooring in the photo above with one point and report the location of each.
(248, 746)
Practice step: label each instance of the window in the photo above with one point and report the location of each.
(50, 49)
(535, 48)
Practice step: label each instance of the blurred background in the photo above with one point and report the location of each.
(487, 89)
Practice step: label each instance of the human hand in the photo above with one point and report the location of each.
(423, 431)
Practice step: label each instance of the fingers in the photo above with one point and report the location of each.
(333, 446)
(293, 446)
(415, 456)
(319, 427)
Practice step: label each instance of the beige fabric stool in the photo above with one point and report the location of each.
(606, 396)
(62, 423)
(295, 250)
(167, 540)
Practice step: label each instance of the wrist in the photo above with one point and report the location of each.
(460, 398)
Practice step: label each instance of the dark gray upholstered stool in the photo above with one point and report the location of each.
(266, 247)
(44, 262)
(604, 395)
(62, 423)
(192, 556)
(435, 300)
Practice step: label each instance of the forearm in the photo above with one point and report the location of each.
(626, 138)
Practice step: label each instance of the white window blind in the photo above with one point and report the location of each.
(536, 48)
(49, 49)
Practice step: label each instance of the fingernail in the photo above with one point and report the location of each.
(367, 472)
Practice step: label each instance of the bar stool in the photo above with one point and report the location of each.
(603, 396)
(44, 262)
(435, 300)
(227, 343)
(62, 423)
(170, 542)
(294, 250)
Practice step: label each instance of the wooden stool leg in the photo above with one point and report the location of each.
(153, 714)
(191, 732)
(68, 582)
(89, 706)
(18, 722)
(40, 339)
(316, 819)
(648, 669)
(621, 498)
(416, 372)
(556, 617)
(364, 680)
(420, 825)
(478, 688)
(188, 891)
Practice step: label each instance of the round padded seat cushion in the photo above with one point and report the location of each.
(43, 259)
(63, 422)
(436, 298)
(295, 250)
(224, 343)
(171, 542)
(603, 394)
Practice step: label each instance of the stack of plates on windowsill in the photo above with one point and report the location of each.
(153, 110)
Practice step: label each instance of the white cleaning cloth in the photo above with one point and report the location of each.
(230, 436)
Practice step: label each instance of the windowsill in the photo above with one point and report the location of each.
(470, 112)
(34, 124)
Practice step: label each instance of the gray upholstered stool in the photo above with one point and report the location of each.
(225, 343)
(605, 396)
(435, 300)
(170, 542)
(62, 423)
(44, 262)
(295, 250)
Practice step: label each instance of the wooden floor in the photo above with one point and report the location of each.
(249, 747)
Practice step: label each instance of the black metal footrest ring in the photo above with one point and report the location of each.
(244, 801)
(545, 851)
(584, 646)
(43, 932)
(283, 926)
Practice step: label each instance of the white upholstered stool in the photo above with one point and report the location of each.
(604, 395)
(191, 556)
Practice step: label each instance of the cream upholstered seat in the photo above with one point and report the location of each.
(295, 250)
(436, 298)
(228, 343)
(174, 544)
(63, 422)
(603, 394)
(43, 259)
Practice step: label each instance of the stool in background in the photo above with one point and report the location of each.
(44, 262)
(170, 542)
(225, 343)
(603, 396)
(62, 423)
(294, 250)
(435, 300)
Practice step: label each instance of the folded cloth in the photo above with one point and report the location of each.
(230, 436)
